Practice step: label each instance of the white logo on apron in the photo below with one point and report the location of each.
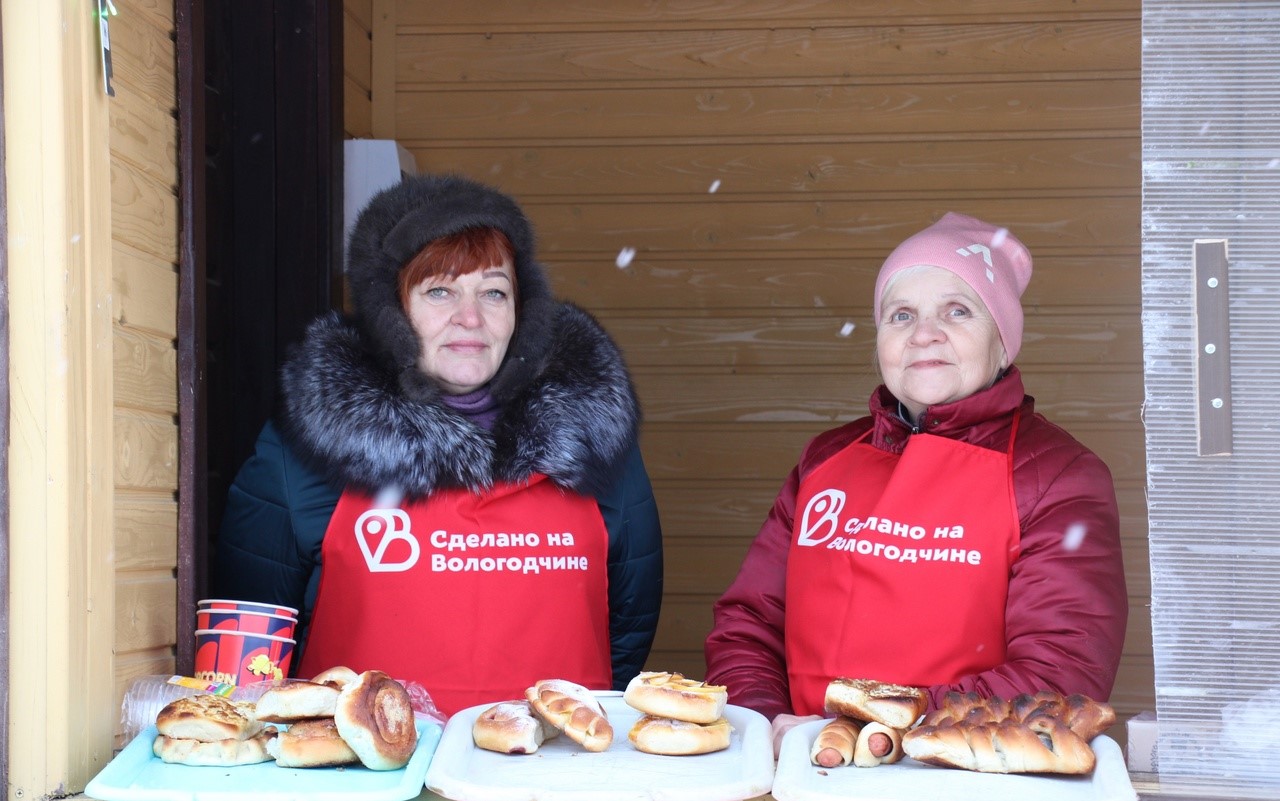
(824, 507)
(395, 524)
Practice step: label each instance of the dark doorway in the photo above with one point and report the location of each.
(271, 165)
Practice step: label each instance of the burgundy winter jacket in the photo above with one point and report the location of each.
(1067, 605)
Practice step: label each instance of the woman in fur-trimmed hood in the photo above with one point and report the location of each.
(461, 457)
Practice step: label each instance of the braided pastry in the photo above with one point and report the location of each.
(1041, 744)
(572, 709)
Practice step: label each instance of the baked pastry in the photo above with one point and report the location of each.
(658, 735)
(226, 752)
(1083, 715)
(337, 676)
(894, 705)
(572, 709)
(671, 695)
(207, 718)
(833, 747)
(511, 727)
(375, 717)
(1040, 744)
(877, 744)
(297, 700)
(311, 744)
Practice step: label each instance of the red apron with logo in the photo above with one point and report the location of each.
(474, 595)
(899, 566)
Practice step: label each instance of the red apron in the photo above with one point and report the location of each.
(899, 566)
(475, 596)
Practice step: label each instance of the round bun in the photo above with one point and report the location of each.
(338, 676)
(207, 718)
(297, 700)
(671, 695)
(216, 753)
(375, 717)
(510, 727)
(655, 735)
(312, 744)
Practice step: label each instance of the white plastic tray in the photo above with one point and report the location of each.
(908, 780)
(560, 770)
(136, 774)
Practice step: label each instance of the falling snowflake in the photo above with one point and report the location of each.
(714, 186)
(388, 498)
(998, 238)
(1074, 537)
(846, 329)
(625, 256)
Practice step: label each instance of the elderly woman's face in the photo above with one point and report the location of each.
(464, 325)
(935, 341)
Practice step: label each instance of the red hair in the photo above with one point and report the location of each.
(452, 255)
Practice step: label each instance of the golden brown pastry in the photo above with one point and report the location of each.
(312, 744)
(572, 709)
(374, 715)
(658, 735)
(833, 747)
(208, 718)
(671, 695)
(894, 705)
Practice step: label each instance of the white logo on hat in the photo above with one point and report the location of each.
(395, 524)
(979, 250)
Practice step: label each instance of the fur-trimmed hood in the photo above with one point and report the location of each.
(401, 220)
(347, 415)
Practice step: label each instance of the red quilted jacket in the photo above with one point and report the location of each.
(1066, 610)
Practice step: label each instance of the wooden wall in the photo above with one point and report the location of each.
(357, 67)
(762, 158)
(144, 212)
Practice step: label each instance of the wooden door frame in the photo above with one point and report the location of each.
(4, 438)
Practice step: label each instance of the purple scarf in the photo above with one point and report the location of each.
(478, 407)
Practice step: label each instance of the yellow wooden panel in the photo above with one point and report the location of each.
(357, 111)
(146, 528)
(146, 371)
(1058, 342)
(158, 13)
(146, 452)
(143, 58)
(855, 109)
(836, 50)
(357, 51)
(131, 667)
(536, 14)
(144, 212)
(733, 169)
(145, 291)
(146, 136)
(718, 283)
(146, 617)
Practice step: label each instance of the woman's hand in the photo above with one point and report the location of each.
(785, 723)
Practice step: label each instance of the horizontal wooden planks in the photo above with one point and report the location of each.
(794, 50)
(144, 211)
(146, 525)
(143, 57)
(591, 14)
(719, 282)
(851, 109)
(145, 371)
(146, 452)
(144, 290)
(733, 168)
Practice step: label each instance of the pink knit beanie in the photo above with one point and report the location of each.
(989, 259)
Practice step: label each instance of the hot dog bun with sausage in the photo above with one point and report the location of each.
(511, 727)
(833, 747)
(877, 744)
(572, 709)
(658, 735)
(671, 695)
(312, 743)
(893, 705)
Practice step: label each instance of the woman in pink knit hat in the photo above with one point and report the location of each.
(953, 539)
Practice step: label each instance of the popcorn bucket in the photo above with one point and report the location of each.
(248, 622)
(237, 657)
(247, 606)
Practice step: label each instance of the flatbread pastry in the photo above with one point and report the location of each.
(671, 695)
(215, 753)
(208, 718)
